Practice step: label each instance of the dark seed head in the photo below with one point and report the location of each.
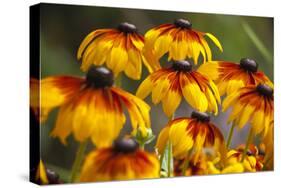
(265, 90)
(183, 23)
(249, 65)
(201, 116)
(99, 77)
(127, 27)
(125, 145)
(182, 65)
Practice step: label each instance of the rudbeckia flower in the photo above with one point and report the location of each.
(120, 49)
(231, 76)
(251, 163)
(91, 107)
(187, 134)
(180, 40)
(170, 84)
(123, 161)
(253, 104)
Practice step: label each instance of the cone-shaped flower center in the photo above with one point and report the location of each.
(200, 116)
(183, 23)
(99, 77)
(249, 65)
(182, 65)
(265, 90)
(125, 145)
(127, 27)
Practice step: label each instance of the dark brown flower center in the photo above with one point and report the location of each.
(99, 77)
(127, 27)
(182, 23)
(249, 65)
(182, 65)
(125, 145)
(265, 90)
(200, 116)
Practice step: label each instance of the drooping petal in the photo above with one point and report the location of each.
(215, 40)
(145, 88)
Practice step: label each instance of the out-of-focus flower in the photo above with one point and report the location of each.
(180, 40)
(230, 168)
(193, 134)
(251, 163)
(44, 176)
(231, 76)
(253, 104)
(120, 49)
(123, 161)
(188, 167)
(170, 84)
(91, 107)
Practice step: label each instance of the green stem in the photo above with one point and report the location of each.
(230, 135)
(169, 158)
(141, 145)
(78, 160)
(249, 139)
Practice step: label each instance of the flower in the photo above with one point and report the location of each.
(123, 161)
(120, 49)
(231, 76)
(91, 107)
(179, 40)
(251, 163)
(44, 176)
(253, 104)
(187, 134)
(230, 168)
(170, 84)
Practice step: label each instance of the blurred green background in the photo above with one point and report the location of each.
(63, 27)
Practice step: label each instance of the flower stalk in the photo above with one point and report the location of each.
(78, 160)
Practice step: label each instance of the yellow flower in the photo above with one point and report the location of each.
(231, 168)
(179, 40)
(231, 76)
(91, 107)
(120, 49)
(253, 104)
(170, 84)
(200, 167)
(251, 163)
(123, 161)
(193, 134)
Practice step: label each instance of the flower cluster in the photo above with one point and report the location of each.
(94, 107)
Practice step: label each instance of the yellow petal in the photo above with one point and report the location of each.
(145, 88)
(209, 69)
(234, 168)
(88, 39)
(171, 101)
(192, 94)
(162, 139)
(215, 40)
(41, 173)
(134, 66)
(160, 90)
